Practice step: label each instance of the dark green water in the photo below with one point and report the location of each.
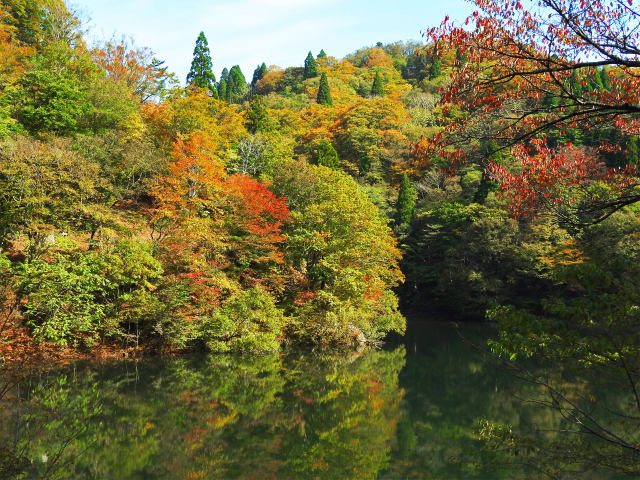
(409, 411)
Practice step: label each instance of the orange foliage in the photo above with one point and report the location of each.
(271, 80)
(14, 55)
(199, 114)
(131, 66)
(209, 222)
(378, 58)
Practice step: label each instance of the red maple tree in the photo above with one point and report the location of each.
(533, 67)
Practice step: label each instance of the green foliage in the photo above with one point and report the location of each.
(44, 183)
(322, 54)
(324, 92)
(310, 67)
(327, 155)
(335, 227)
(77, 296)
(222, 89)
(492, 154)
(604, 78)
(632, 153)
(257, 116)
(377, 89)
(201, 73)
(66, 95)
(248, 323)
(39, 23)
(236, 85)
(406, 202)
(471, 257)
(591, 316)
(435, 70)
(49, 102)
(258, 73)
(575, 83)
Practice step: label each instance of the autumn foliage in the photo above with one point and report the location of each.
(542, 70)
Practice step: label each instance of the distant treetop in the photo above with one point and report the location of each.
(310, 67)
(201, 73)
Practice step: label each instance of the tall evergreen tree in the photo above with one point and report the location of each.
(236, 85)
(595, 81)
(257, 116)
(377, 88)
(258, 73)
(632, 153)
(310, 67)
(490, 152)
(322, 54)
(222, 89)
(201, 74)
(225, 74)
(406, 201)
(327, 155)
(364, 165)
(435, 70)
(324, 92)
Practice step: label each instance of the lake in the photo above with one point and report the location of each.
(411, 410)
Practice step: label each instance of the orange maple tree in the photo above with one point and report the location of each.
(212, 225)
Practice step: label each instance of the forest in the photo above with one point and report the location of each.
(488, 173)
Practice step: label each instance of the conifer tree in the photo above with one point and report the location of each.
(322, 54)
(632, 153)
(257, 116)
(364, 165)
(225, 74)
(258, 73)
(310, 67)
(201, 74)
(327, 155)
(236, 85)
(222, 89)
(377, 89)
(406, 201)
(324, 92)
(435, 70)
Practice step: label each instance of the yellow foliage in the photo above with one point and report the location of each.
(567, 254)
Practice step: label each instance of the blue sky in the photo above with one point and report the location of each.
(249, 32)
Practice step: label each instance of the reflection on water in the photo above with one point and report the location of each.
(402, 413)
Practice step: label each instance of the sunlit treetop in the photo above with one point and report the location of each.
(201, 74)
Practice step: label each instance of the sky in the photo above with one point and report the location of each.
(249, 32)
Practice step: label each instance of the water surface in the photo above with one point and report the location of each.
(408, 411)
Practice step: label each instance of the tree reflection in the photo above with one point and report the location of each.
(592, 425)
(467, 415)
(318, 416)
(442, 411)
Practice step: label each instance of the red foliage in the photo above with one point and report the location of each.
(263, 212)
(207, 221)
(547, 178)
(531, 67)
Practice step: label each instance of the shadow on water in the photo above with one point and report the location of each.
(409, 411)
